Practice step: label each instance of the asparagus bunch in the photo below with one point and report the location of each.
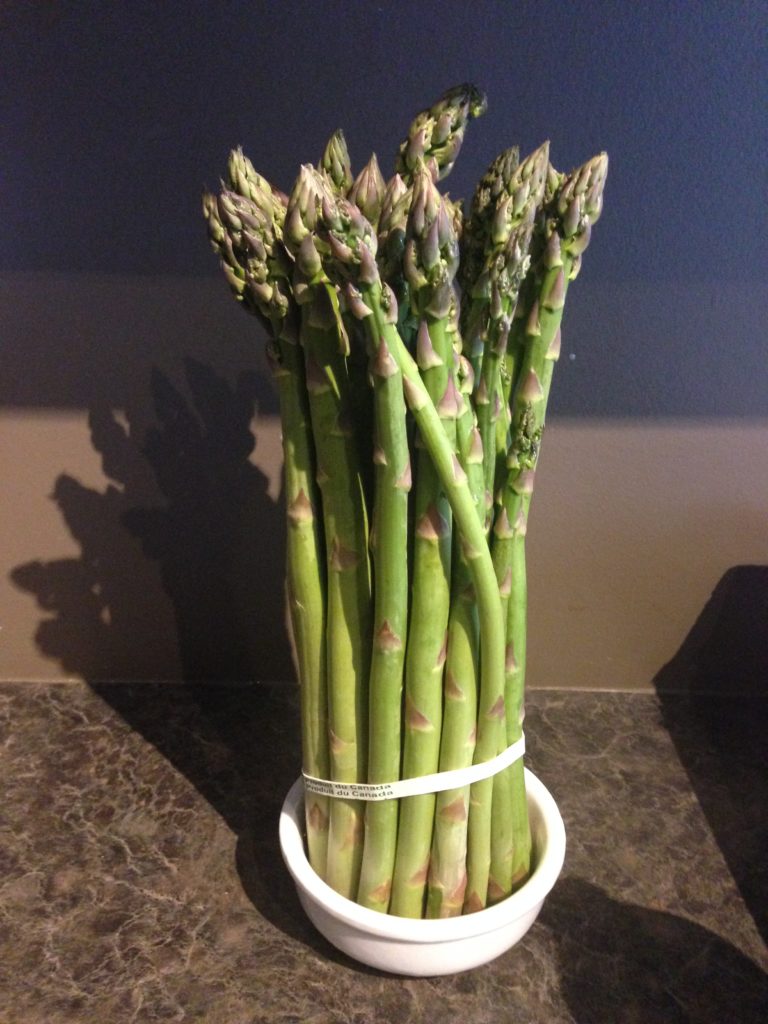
(413, 348)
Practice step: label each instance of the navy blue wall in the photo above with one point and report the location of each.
(116, 114)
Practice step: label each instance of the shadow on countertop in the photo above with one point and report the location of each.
(624, 964)
(714, 701)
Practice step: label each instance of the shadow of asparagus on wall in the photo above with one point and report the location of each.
(630, 965)
(714, 701)
(191, 587)
(193, 583)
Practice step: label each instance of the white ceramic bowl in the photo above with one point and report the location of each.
(427, 947)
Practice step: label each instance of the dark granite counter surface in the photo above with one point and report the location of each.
(141, 879)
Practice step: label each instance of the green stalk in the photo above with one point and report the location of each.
(448, 865)
(508, 227)
(511, 861)
(477, 554)
(573, 209)
(349, 587)
(306, 588)
(390, 564)
(491, 190)
(426, 650)
(430, 256)
(245, 227)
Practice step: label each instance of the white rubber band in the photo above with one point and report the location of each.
(415, 787)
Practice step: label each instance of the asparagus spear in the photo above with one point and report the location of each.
(349, 257)
(368, 191)
(389, 254)
(346, 529)
(572, 210)
(494, 290)
(430, 268)
(447, 871)
(491, 188)
(436, 135)
(390, 562)
(245, 229)
(335, 164)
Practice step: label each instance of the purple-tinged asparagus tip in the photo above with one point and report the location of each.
(553, 352)
(384, 364)
(449, 405)
(442, 654)
(572, 217)
(458, 473)
(475, 454)
(415, 720)
(404, 482)
(342, 559)
(355, 304)
(432, 525)
(553, 256)
(505, 587)
(502, 527)
(426, 355)
(300, 510)
(389, 304)
(531, 389)
(555, 297)
(414, 395)
(498, 709)
(340, 251)
(510, 663)
(386, 639)
(532, 326)
(317, 382)
(523, 483)
(369, 272)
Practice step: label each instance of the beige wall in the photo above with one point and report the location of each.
(141, 534)
(633, 525)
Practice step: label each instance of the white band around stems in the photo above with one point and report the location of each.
(436, 783)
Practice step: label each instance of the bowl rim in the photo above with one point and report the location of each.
(526, 899)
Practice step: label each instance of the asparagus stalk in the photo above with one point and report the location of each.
(510, 847)
(367, 193)
(430, 268)
(475, 442)
(447, 880)
(389, 254)
(494, 291)
(346, 532)
(436, 135)
(245, 228)
(447, 872)
(351, 257)
(390, 560)
(491, 188)
(573, 209)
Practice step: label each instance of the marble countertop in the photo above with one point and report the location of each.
(140, 877)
